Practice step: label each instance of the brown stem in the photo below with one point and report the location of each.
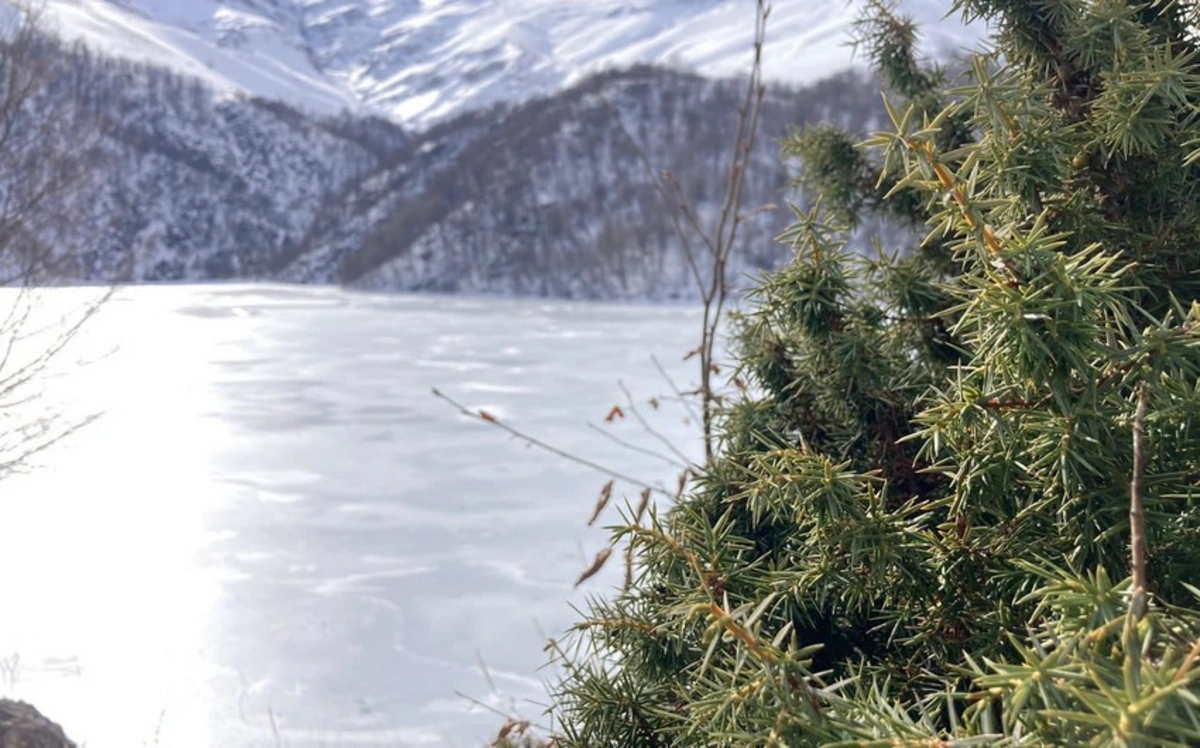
(1137, 509)
(535, 442)
(682, 397)
(632, 408)
(661, 188)
(724, 237)
(1188, 663)
(636, 448)
(721, 239)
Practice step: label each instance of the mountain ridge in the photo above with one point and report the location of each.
(419, 62)
(546, 194)
(549, 197)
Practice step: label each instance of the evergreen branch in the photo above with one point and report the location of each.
(948, 183)
(1047, 243)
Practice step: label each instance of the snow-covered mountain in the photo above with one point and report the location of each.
(140, 174)
(547, 197)
(551, 198)
(203, 167)
(422, 61)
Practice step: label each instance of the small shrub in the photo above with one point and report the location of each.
(958, 504)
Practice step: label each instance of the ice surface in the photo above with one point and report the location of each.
(275, 521)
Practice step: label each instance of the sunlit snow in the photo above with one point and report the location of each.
(275, 534)
(425, 61)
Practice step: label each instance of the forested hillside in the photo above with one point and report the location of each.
(549, 197)
(553, 198)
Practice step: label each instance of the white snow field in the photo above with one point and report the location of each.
(421, 61)
(275, 534)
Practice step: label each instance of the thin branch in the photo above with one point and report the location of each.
(689, 213)
(274, 728)
(664, 194)
(687, 403)
(1188, 663)
(1137, 509)
(636, 448)
(482, 705)
(749, 116)
(535, 442)
(650, 429)
(509, 718)
(28, 452)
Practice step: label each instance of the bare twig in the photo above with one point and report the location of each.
(635, 447)
(713, 287)
(32, 448)
(480, 704)
(687, 403)
(535, 442)
(47, 141)
(728, 225)
(498, 712)
(660, 187)
(1137, 509)
(275, 728)
(637, 414)
(712, 283)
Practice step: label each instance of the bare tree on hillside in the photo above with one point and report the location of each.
(48, 161)
(709, 246)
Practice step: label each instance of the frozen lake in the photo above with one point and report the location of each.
(276, 535)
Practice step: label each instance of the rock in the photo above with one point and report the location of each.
(22, 726)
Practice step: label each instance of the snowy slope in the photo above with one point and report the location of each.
(549, 199)
(178, 184)
(268, 64)
(421, 61)
(544, 198)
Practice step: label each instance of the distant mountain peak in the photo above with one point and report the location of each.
(422, 61)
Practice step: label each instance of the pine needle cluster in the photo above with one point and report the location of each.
(959, 502)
